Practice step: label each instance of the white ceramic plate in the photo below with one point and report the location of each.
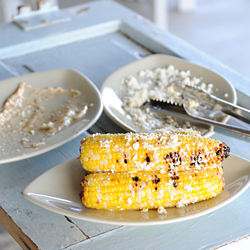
(64, 78)
(113, 91)
(58, 190)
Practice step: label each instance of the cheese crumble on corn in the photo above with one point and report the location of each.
(149, 190)
(174, 150)
(156, 170)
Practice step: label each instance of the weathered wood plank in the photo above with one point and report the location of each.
(37, 222)
(95, 57)
(206, 232)
(13, 37)
(4, 72)
(97, 53)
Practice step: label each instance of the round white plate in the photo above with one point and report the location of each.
(66, 79)
(58, 190)
(113, 91)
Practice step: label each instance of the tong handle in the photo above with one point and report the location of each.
(160, 106)
(234, 110)
(225, 129)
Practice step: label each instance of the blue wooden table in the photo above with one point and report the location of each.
(96, 39)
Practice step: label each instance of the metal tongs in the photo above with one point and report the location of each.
(208, 101)
(206, 104)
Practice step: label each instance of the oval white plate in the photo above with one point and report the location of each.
(64, 78)
(112, 90)
(58, 190)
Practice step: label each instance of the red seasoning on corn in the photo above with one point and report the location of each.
(151, 170)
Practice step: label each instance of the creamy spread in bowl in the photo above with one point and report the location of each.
(30, 115)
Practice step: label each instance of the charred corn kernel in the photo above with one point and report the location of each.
(162, 150)
(149, 190)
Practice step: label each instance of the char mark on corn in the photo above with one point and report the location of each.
(149, 190)
(177, 150)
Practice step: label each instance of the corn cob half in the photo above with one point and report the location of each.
(149, 190)
(177, 150)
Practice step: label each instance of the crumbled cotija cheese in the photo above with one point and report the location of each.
(161, 210)
(157, 84)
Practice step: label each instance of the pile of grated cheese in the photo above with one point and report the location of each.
(158, 84)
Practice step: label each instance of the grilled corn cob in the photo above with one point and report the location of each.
(177, 150)
(149, 190)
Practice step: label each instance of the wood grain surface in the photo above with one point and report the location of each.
(97, 42)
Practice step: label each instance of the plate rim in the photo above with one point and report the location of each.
(95, 117)
(131, 223)
(122, 124)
